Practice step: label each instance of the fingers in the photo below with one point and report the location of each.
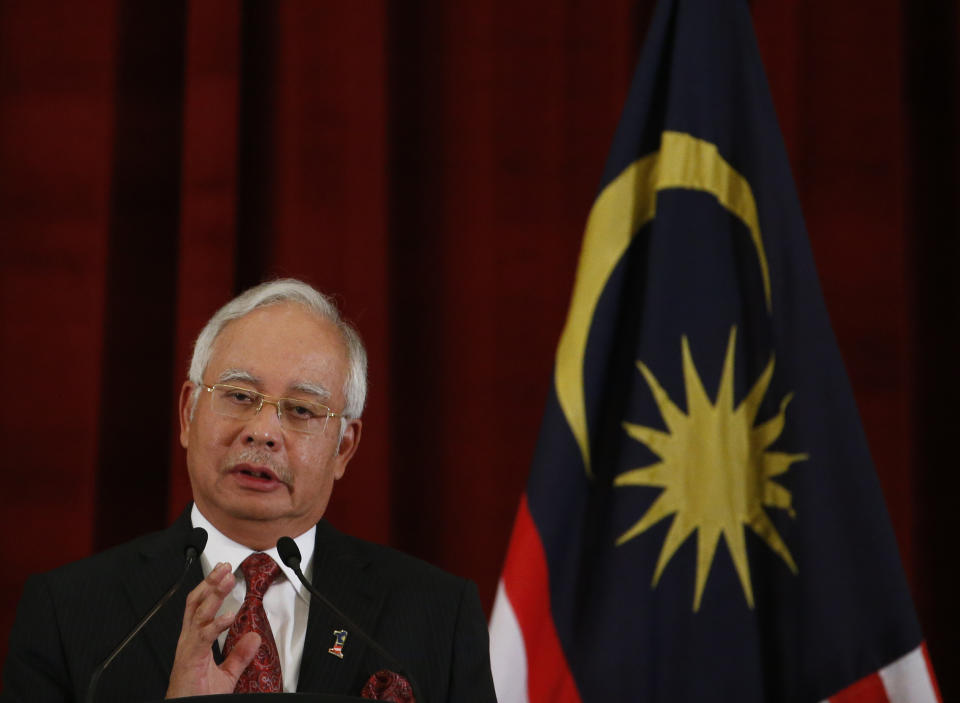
(241, 655)
(204, 600)
(200, 619)
(194, 671)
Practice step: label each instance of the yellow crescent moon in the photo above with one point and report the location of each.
(621, 209)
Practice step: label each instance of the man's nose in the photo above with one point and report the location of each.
(264, 427)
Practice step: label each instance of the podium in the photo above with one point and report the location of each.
(266, 698)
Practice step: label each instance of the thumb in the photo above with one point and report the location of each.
(241, 655)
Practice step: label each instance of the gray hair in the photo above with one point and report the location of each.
(287, 290)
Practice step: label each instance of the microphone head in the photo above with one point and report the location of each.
(196, 541)
(289, 552)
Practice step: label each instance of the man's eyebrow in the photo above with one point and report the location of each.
(316, 389)
(238, 375)
(312, 388)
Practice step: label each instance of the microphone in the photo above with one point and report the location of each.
(196, 541)
(290, 555)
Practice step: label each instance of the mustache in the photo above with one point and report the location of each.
(261, 458)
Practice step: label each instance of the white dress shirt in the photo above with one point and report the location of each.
(286, 602)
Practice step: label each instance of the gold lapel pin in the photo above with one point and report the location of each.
(339, 637)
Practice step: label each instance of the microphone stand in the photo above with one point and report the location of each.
(196, 543)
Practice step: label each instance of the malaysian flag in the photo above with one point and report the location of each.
(702, 520)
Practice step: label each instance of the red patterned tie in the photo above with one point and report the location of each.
(263, 674)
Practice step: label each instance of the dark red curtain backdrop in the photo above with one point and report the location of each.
(432, 165)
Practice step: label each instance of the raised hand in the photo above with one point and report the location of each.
(195, 672)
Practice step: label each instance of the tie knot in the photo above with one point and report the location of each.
(259, 570)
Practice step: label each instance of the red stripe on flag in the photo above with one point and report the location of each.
(869, 689)
(527, 583)
(933, 678)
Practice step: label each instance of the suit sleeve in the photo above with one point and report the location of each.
(35, 670)
(470, 677)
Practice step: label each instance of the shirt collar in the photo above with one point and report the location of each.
(221, 548)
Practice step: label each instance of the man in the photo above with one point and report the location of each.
(270, 418)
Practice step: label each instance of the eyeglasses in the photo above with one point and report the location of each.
(243, 404)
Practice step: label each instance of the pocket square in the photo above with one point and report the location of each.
(388, 685)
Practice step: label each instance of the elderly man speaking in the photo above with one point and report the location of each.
(270, 418)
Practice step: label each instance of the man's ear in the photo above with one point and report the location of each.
(186, 407)
(347, 447)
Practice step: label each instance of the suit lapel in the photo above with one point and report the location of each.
(338, 573)
(161, 562)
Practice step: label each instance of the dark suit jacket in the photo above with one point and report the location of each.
(70, 619)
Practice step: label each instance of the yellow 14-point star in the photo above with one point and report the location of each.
(715, 471)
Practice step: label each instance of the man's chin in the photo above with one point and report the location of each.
(251, 505)
(257, 512)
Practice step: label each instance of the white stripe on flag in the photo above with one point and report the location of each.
(907, 680)
(508, 658)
